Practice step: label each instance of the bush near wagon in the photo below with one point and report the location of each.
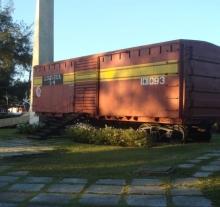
(28, 128)
(84, 133)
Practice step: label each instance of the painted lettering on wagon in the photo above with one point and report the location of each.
(53, 79)
(153, 80)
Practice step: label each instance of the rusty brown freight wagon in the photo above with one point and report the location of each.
(171, 86)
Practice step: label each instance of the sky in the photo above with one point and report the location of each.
(84, 27)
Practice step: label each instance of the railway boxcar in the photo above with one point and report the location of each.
(171, 86)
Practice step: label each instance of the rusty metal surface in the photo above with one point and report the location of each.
(172, 82)
(53, 98)
(129, 98)
(86, 86)
(57, 99)
(122, 96)
(203, 82)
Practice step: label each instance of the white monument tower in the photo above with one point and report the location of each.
(43, 47)
(44, 32)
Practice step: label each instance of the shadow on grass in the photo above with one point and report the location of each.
(94, 162)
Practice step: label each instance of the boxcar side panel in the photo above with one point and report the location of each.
(141, 83)
(53, 88)
(203, 76)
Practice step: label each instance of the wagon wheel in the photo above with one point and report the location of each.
(145, 127)
(151, 130)
(179, 134)
(205, 136)
(155, 135)
(200, 134)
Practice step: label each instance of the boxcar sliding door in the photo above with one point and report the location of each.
(86, 85)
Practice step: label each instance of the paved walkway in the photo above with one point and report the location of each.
(18, 188)
(15, 120)
(25, 147)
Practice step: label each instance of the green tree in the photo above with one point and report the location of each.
(15, 50)
(17, 92)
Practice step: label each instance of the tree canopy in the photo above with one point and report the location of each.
(15, 51)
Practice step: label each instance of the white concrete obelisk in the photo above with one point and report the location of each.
(44, 32)
(43, 46)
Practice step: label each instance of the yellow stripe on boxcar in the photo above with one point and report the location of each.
(38, 81)
(137, 71)
(80, 76)
(68, 78)
(85, 76)
(119, 73)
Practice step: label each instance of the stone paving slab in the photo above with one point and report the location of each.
(217, 162)
(202, 174)
(111, 182)
(53, 198)
(9, 179)
(66, 188)
(3, 184)
(44, 205)
(4, 168)
(8, 205)
(185, 191)
(146, 190)
(18, 173)
(14, 197)
(147, 201)
(41, 180)
(99, 200)
(10, 155)
(195, 161)
(186, 166)
(191, 201)
(26, 187)
(154, 171)
(211, 168)
(145, 182)
(14, 143)
(215, 151)
(74, 181)
(185, 181)
(214, 154)
(203, 157)
(105, 189)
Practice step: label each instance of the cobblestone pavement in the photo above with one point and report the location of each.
(18, 188)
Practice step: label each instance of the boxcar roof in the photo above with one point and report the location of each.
(135, 48)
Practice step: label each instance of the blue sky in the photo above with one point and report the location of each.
(85, 27)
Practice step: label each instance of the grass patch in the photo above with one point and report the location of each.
(7, 133)
(211, 188)
(69, 159)
(93, 162)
